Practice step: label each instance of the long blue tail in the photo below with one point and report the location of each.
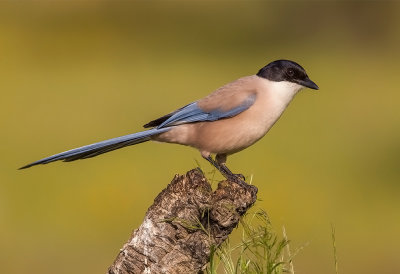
(100, 147)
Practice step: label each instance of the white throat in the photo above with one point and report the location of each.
(284, 91)
(280, 94)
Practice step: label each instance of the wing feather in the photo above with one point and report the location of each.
(225, 102)
(193, 113)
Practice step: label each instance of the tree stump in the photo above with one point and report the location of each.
(186, 220)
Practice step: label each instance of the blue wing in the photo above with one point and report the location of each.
(193, 113)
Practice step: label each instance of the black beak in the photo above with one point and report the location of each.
(308, 83)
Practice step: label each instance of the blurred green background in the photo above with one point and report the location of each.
(72, 73)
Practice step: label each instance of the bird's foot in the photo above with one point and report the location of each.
(237, 178)
(240, 176)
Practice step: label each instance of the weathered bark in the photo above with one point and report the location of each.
(185, 221)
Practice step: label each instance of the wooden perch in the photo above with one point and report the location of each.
(186, 220)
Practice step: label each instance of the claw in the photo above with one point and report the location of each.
(237, 179)
(241, 176)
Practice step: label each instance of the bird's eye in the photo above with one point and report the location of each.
(290, 72)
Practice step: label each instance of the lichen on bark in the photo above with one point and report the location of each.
(185, 221)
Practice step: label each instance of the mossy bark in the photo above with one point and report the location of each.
(185, 221)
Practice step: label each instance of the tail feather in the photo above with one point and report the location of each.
(95, 149)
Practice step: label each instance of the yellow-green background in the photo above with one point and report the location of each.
(72, 73)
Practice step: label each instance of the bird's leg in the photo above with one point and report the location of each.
(221, 160)
(214, 163)
(225, 171)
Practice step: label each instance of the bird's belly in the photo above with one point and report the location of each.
(234, 134)
(228, 135)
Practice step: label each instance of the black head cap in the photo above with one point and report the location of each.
(285, 70)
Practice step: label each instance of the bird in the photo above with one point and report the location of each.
(228, 120)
